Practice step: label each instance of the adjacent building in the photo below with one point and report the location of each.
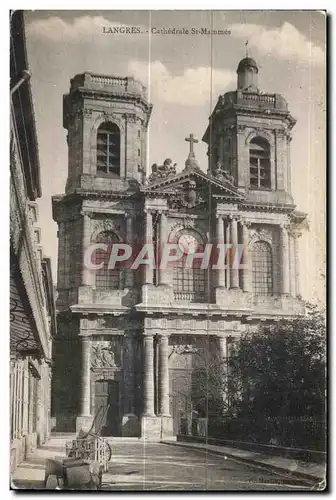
(118, 353)
(32, 302)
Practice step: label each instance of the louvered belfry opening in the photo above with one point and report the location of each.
(260, 164)
(108, 148)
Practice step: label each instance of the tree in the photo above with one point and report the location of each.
(206, 387)
(280, 370)
(271, 389)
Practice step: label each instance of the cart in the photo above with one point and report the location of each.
(89, 445)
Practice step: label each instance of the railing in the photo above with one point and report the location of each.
(128, 84)
(254, 99)
(296, 432)
(109, 80)
(190, 297)
(258, 98)
(303, 454)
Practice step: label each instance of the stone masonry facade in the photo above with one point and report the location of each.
(117, 335)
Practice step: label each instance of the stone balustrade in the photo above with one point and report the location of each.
(255, 99)
(190, 297)
(93, 81)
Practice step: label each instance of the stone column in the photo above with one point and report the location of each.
(11, 386)
(86, 240)
(227, 242)
(234, 274)
(220, 241)
(148, 380)
(163, 376)
(15, 385)
(30, 402)
(222, 345)
(162, 273)
(148, 240)
(85, 378)
(284, 245)
(297, 264)
(129, 237)
(128, 370)
(229, 345)
(25, 397)
(291, 237)
(60, 266)
(39, 417)
(20, 402)
(246, 259)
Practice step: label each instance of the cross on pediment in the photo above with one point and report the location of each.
(192, 140)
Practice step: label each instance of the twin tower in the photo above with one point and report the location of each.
(107, 121)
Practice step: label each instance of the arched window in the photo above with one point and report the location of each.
(189, 283)
(108, 148)
(193, 281)
(105, 277)
(262, 268)
(260, 163)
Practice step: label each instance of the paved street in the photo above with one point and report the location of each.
(160, 467)
(137, 466)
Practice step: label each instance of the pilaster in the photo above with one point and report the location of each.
(223, 355)
(234, 271)
(129, 276)
(284, 245)
(220, 241)
(246, 271)
(148, 238)
(163, 236)
(163, 376)
(86, 272)
(228, 253)
(296, 237)
(85, 377)
(148, 375)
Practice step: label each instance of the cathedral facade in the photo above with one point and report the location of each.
(116, 357)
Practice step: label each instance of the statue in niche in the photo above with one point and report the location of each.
(102, 355)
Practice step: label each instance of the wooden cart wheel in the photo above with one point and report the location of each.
(108, 451)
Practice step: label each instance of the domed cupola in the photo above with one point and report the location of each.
(247, 72)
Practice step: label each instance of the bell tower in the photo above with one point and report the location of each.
(106, 118)
(248, 137)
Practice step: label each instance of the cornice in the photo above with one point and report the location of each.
(266, 207)
(103, 95)
(191, 309)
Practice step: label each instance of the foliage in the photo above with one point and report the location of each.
(272, 389)
(279, 370)
(274, 380)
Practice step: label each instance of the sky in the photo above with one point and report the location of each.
(184, 75)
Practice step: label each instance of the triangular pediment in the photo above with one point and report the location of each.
(193, 186)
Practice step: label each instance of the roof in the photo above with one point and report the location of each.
(22, 107)
(247, 62)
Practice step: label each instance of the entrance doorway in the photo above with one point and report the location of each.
(107, 407)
